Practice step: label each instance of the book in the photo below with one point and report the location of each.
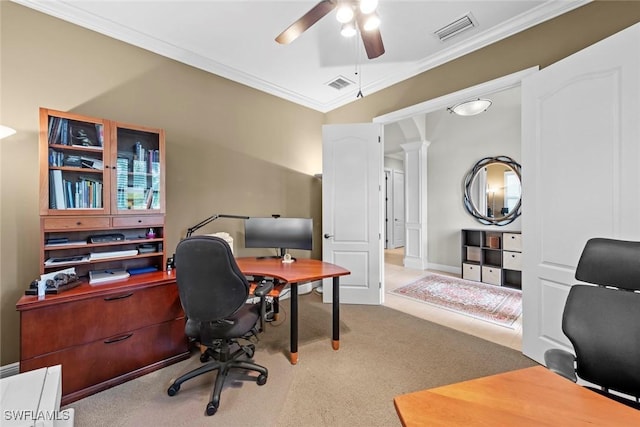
(113, 254)
(100, 134)
(142, 270)
(104, 276)
(66, 260)
(58, 189)
(91, 163)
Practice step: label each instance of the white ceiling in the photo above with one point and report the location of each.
(235, 39)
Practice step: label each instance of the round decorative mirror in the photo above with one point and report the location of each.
(492, 190)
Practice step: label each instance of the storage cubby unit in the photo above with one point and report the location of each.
(493, 257)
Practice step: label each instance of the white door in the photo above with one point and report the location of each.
(352, 210)
(580, 157)
(398, 209)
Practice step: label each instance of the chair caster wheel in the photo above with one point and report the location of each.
(204, 357)
(211, 409)
(249, 350)
(262, 379)
(173, 390)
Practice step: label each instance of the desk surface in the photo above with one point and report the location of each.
(526, 397)
(302, 270)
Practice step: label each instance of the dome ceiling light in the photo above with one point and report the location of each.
(471, 107)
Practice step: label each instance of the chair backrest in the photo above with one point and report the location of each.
(603, 323)
(210, 284)
(609, 262)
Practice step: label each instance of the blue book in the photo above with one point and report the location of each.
(141, 270)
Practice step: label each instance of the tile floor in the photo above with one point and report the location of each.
(396, 275)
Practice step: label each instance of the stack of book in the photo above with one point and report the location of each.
(103, 276)
(113, 254)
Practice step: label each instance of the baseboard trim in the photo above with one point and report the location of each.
(445, 268)
(9, 370)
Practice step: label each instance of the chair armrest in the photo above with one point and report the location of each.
(561, 362)
(263, 288)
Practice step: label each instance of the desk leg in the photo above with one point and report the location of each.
(336, 313)
(294, 323)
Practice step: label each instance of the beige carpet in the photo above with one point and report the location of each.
(383, 353)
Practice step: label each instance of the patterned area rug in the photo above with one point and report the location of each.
(491, 303)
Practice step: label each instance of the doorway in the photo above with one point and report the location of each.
(394, 208)
(449, 158)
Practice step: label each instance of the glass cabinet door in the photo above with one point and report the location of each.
(73, 164)
(138, 163)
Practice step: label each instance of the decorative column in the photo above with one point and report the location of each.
(415, 170)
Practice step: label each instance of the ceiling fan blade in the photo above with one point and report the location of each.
(306, 21)
(372, 39)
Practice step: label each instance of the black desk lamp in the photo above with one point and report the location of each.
(191, 230)
(206, 221)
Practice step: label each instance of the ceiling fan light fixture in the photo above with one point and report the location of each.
(371, 22)
(344, 13)
(368, 6)
(471, 107)
(348, 30)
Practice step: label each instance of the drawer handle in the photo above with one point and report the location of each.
(118, 339)
(118, 297)
(79, 223)
(139, 221)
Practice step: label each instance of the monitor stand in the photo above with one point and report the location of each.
(284, 256)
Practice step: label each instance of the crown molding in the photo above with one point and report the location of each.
(68, 12)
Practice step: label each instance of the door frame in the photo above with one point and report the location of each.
(444, 101)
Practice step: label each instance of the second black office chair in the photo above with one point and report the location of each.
(603, 322)
(213, 292)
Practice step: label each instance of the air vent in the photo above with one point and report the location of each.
(340, 83)
(456, 27)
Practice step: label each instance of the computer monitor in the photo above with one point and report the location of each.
(280, 233)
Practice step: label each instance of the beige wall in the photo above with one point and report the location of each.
(230, 149)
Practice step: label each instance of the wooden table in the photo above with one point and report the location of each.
(300, 271)
(526, 397)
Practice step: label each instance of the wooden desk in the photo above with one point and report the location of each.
(300, 271)
(526, 397)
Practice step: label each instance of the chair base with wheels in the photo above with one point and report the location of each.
(223, 361)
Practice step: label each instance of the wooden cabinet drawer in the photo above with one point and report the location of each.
(64, 325)
(492, 275)
(138, 221)
(512, 242)
(512, 261)
(76, 223)
(102, 360)
(471, 272)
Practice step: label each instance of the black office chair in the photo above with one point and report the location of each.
(213, 292)
(603, 322)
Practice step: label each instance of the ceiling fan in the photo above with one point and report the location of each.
(351, 14)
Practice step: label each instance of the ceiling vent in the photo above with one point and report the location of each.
(456, 27)
(340, 83)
